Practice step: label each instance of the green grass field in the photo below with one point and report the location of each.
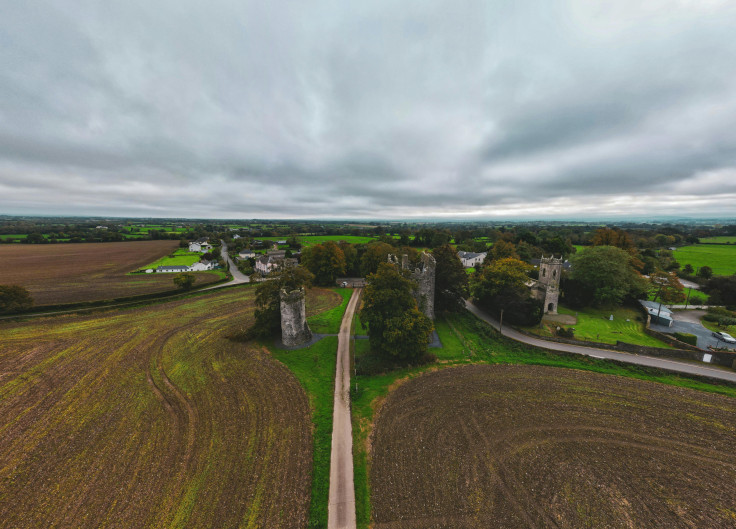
(465, 340)
(593, 325)
(721, 239)
(311, 240)
(181, 256)
(328, 322)
(722, 259)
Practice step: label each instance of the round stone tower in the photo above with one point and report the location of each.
(294, 328)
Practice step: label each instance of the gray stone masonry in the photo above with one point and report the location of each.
(424, 276)
(548, 285)
(294, 328)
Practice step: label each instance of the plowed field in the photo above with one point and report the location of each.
(71, 273)
(150, 417)
(532, 446)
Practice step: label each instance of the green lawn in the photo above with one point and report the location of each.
(315, 368)
(181, 256)
(328, 322)
(466, 340)
(594, 325)
(713, 326)
(721, 239)
(722, 259)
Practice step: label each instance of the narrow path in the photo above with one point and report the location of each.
(648, 361)
(341, 510)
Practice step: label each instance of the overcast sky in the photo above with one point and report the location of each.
(379, 109)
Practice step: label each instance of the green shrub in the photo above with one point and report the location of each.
(565, 333)
(711, 317)
(687, 338)
(721, 311)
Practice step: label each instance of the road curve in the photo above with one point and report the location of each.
(341, 509)
(648, 361)
(238, 277)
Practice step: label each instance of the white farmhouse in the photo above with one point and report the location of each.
(247, 254)
(200, 245)
(201, 266)
(470, 259)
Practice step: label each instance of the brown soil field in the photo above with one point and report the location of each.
(151, 417)
(532, 446)
(71, 273)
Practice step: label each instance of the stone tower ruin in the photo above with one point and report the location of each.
(548, 284)
(424, 277)
(294, 327)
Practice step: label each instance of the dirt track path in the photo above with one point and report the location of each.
(341, 511)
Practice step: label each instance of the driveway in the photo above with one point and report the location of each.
(689, 321)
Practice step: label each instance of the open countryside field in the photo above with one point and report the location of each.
(721, 239)
(722, 259)
(535, 446)
(311, 240)
(180, 256)
(467, 340)
(72, 273)
(151, 417)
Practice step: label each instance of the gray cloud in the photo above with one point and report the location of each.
(326, 109)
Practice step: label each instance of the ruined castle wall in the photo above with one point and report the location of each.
(425, 278)
(294, 327)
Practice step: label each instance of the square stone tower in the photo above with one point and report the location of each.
(550, 270)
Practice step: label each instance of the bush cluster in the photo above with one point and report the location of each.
(687, 338)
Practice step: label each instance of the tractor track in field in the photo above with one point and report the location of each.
(514, 446)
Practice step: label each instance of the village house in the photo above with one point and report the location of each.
(273, 261)
(200, 245)
(470, 259)
(202, 265)
(247, 254)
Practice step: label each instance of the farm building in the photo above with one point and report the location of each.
(202, 265)
(172, 269)
(247, 254)
(470, 259)
(660, 314)
(200, 245)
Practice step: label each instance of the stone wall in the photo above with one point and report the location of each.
(294, 327)
(425, 277)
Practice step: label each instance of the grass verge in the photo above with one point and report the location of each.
(328, 322)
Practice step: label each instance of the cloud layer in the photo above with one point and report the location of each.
(469, 109)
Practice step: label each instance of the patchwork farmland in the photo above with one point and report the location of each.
(152, 417)
(534, 446)
(71, 273)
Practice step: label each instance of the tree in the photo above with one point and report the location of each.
(613, 237)
(604, 275)
(185, 281)
(688, 269)
(722, 290)
(268, 298)
(502, 286)
(666, 287)
(326, 261)
(375, 254)
(706, 272)
(451, 281)
(14, 298)
(396, 327)
(503, 250)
